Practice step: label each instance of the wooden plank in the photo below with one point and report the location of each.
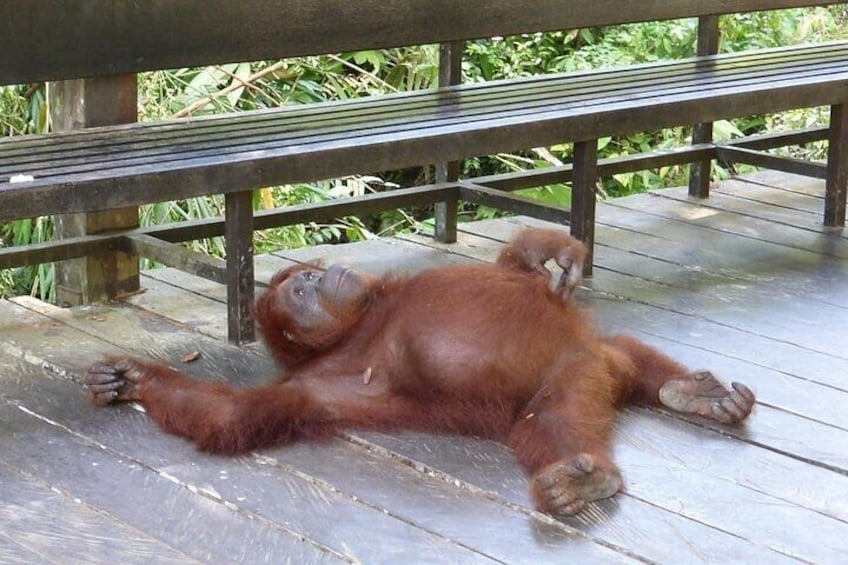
(778, 215)
(96, 475)
(174, 255)
(753, 68)
(169, 140)
(798, 272)
(518, 204)
(696, 487)
(168, 510)
(527, 96)
(111, 37)
(13, 553)
(376, 256)
(750, 190)
(826, 244)
(387, 496)
(48, 526)
(283, 498)
(277, 164)
(784, 181)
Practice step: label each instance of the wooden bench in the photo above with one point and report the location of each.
(96, 177)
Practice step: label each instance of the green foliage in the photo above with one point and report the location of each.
(37, 280)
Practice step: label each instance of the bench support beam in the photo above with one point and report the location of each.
(445, 212)
(76, 104)
(585, 177)
(238, 232)
(700, 171)
(837, 167)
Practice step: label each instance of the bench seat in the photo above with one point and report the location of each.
(114, 166)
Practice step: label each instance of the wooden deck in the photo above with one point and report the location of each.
(747, 283)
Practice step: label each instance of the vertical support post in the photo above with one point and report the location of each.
(700, 171)
(76, 104)
(450, 73)
(583, 197)
(238, 232)
(837, 167)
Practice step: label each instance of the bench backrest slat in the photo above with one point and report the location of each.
(84, 38)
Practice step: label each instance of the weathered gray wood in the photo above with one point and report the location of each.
(49, 251)
(801, 204)
(709, 293)
(454, 131)
(786, 182)
(113, 37)
(644, 449)
(48, 526)
(376, 256)
(164, 508)
(834, 241)
(826, 244)
(78, 104)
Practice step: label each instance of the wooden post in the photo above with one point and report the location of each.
(700, 171)
(450, 73)
(583, 197)
(85, 103)
(238, 232)
(837, 167)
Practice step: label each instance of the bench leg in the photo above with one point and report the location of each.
(837, 167)
(87, 103)
(238, 233)
(446, 212)
(450, 74)
(701, 171)
(583, 197)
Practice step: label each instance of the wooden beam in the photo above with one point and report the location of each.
(700, 172)
(177, 256)
(238, 231)
(445, 212)
(583, 197)
(768, 161)
(521, 205)
(837, 167)
(116, 36)
(89, 103)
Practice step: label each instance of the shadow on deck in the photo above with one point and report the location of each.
(747, 283)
